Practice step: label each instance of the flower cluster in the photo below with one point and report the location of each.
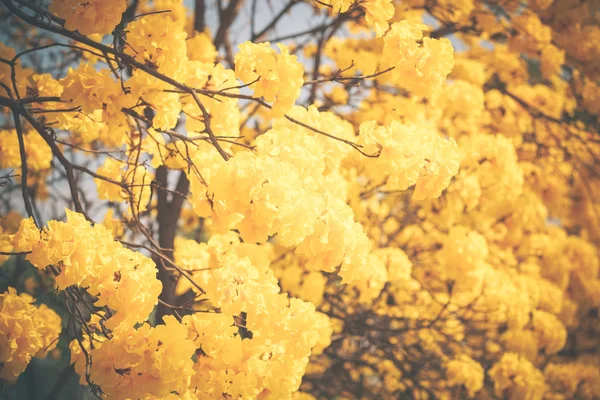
(410, 156)
(466, 372)
(286, 175)
(38, 154)
(276, 77)
(137, 363)
(516, 377)
(258, 331)
(377, 12)
(93, 16)
(223, 112)
(419, 68)
(121, 279)
(162, 49)
(100, 96)
(124, 182)
(201, 48)
(26, 331)
(258, 334)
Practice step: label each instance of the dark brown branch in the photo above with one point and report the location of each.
(14, 253)
(67, 165)
(207, 126)
(24, 169)
(227, 16)
(273, 22)
(199, 11)
(168, 217)
(352, 79)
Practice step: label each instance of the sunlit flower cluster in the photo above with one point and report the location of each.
(276, 77)
(94, 16)
(86, 256)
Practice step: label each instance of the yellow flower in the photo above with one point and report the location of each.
(551, 60)
(201, 48)
(339, 95)
(25, 332)
(466, 372)
(378, 13)
(159, 42)
(49, 326)
(224, 111)
(27, 236)
(88, 256)
(115, 226)
(92, 16)
(410, 155)
(276, 77)
(338, 6)
(516, 378)
(419, 68)
(39, 155)
(136, 363)
(135, 179)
